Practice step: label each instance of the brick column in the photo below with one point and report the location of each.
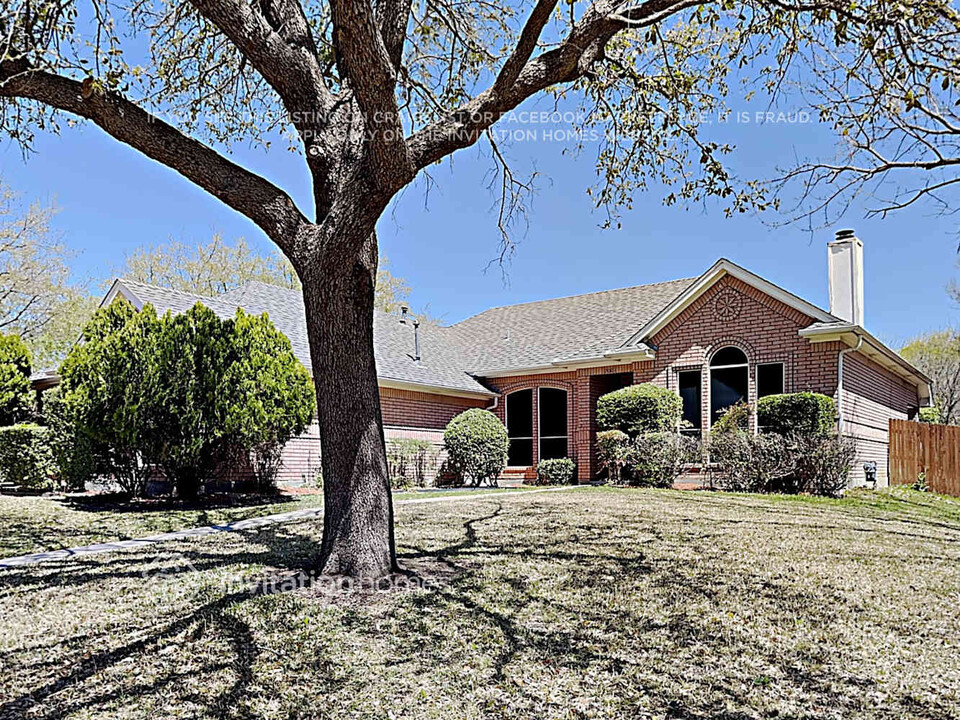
(582, 422)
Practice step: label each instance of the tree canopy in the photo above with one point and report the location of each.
(16, 397)
(938, 355)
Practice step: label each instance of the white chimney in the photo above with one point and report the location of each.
(845, 272)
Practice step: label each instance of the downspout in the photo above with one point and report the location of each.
(840, 382)
(496, 404)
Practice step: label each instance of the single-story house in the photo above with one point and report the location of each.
(724, 336)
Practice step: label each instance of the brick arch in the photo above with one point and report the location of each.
(533, 383)
(730, 341)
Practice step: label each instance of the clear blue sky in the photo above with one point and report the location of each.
(112, 200)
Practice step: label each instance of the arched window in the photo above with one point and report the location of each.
(728, 380)
(519, 416)
(552, 413)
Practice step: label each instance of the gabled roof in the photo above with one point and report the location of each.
(440, 368)
(550, 333)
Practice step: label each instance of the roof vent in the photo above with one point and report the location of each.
(404, 316)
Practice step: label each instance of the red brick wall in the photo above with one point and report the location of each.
(404, 408)
(872, 396)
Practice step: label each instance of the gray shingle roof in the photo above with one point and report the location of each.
(569, 328)
(441, 365)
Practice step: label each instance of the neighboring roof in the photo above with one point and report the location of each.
(569, 329)
(440, 366)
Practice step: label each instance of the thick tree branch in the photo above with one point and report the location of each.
(526, 44)
(571, 59)
(392, 18)
(268, 206)
(278, 42)
(365, 62)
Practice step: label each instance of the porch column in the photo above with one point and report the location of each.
(581, 421)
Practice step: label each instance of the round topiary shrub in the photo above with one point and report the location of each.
(615, 451)
(803, 413)
(558, 471)
(476, 443)
(640, 409)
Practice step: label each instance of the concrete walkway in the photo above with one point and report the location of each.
(237, 525)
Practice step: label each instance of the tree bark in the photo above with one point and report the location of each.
(358, 510)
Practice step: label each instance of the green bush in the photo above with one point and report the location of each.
(803, 413)
(185, 393)
(26, 458)
(476, 443)
(75, 453)
(658, 458)
(735, 419)
(16, 397)
(639, 409)
(929, 415)
(614, 451)
(558, 471)
(409, 461)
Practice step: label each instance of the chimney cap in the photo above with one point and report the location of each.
(846, 234)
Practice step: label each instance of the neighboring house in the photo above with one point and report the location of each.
(725, 336)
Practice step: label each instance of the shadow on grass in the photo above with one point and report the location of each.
(539, 602)
(118, 503)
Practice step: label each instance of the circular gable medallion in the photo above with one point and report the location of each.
(728, 305)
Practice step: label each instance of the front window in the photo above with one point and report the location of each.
(552, 411)
(689, 382)
(728, 380)
(769, 379)
(519, 409)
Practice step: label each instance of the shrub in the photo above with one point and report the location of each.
(558, 471)
(749, 463)
(74, 453)
(25, 456)
(408, 461)
(735, 419)
(16, 397)
(803, 413)
(639, 409)
(614, 451)
(929, 415)
(770, 463)
(657, 459)
(185, 392)
(476, 443)
(822, 463)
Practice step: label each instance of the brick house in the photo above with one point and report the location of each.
(724, 336)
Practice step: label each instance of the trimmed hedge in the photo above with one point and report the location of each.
(26, 458)
(615, 451)
(803, 413)
(639, 409)
(476, 443)
(558, 471)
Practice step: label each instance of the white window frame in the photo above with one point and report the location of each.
(506, 422)
(541, 437)
(724, 367)
(783, 375)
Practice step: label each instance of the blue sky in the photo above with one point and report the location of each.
(112, 200)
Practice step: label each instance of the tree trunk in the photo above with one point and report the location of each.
(358, 510)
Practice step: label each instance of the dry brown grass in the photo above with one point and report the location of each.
(592, 603)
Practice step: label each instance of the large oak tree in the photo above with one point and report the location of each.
(374, 92)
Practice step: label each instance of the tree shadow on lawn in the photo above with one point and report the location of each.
(119, 503)
(561, 621)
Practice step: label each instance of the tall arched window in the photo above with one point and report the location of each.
(728, 380)
(519, 411)
(552, 411)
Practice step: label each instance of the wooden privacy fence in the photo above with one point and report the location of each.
(930, 449)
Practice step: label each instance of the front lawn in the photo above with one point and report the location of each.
(35, 524)
(592, 603)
